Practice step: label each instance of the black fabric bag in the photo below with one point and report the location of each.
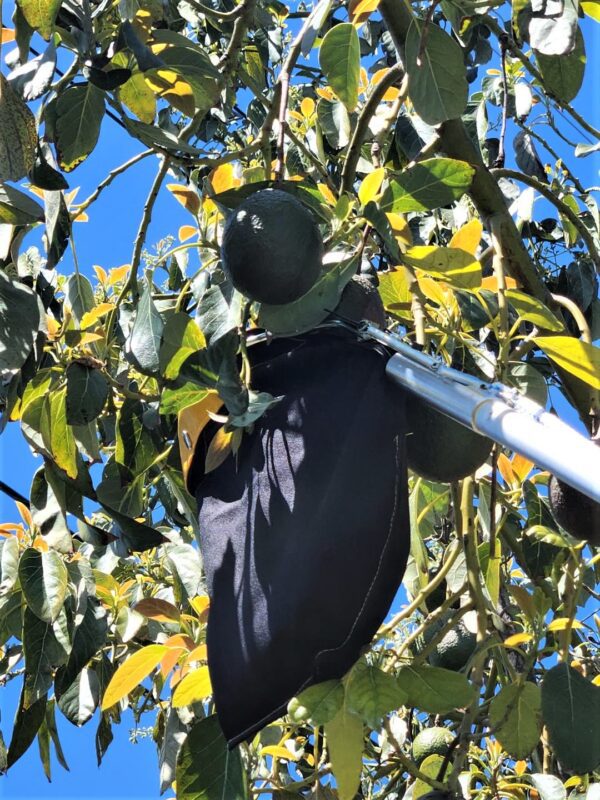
(305, 532)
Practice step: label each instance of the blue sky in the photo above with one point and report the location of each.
(130, 770)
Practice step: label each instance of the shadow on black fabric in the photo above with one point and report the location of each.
(305, 533)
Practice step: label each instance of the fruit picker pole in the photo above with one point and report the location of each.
(489, 201)
(496, 411)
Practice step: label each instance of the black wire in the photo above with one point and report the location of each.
(13, 494)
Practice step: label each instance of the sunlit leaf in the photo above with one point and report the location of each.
(132, 672)
(579, 358)
(196, 686)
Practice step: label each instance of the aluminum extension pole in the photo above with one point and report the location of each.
(496, 411)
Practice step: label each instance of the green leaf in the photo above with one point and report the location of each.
(431, 767)
(87, 392)
(137, 536)
(181, 337)
(313, 307)
(318, 704)
(138, 97)
(373, 214)
(431, 184)
(434, 689)
(579, 358)
(9, 564)
(549, 787)
(528, 381)
(20, 315)
(516, 718)
(454, 266)
(345, 744)
(79, 295)
(18, 134)
(134, 447)
(79, 112)
(371, 693)
(206, 769)
(18, 208)
(563, 75)
(194, 66)
(58, 434)
(44, 649)
(571, 712)
(395, 293)
(437, 83)
(43, 578)
(48, 514)
(53, 731)
(146, 334)
(40, 15)
(533, 310)
(173, 401)
(88, 638)
(335, 122)
(27, 723)
(339, 59)
(79, 701)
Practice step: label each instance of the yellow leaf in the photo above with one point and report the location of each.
(198, 653)
(170, 86)
(520, 767)
(491, 283)
(118, 274)
(218, 450)
(521, 466)
(437, 292)
(401, 228)
(200, 604)
(579, 358)
(187, 197)
(455, 266)
(307, 107)
(468, 237)
(326, 93)
(7, 35)
(392, 92)
(186, 232)
(132, 672)
(369, 188)
(505, 469)
(517, 639)
(101, 274)
(53, 327)
(359, 11)
(345, 744)
(363, 83)
(223, 178)
(562, 623)
(195, 686)
(327, 193)
(591, 8)
(90, 317)
(190, 424)
(277, 751)
(596, 680)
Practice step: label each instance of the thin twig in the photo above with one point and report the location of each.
(564, 209)
(362, 125)
(501, 158)
(107, 181)
(13, 494)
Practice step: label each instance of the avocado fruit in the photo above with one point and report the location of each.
(361, 300)
(272, 248)
(578, 514)
(430, 742)
(438, 448)
(455, 649)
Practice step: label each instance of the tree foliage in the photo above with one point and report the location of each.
(433, 142)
